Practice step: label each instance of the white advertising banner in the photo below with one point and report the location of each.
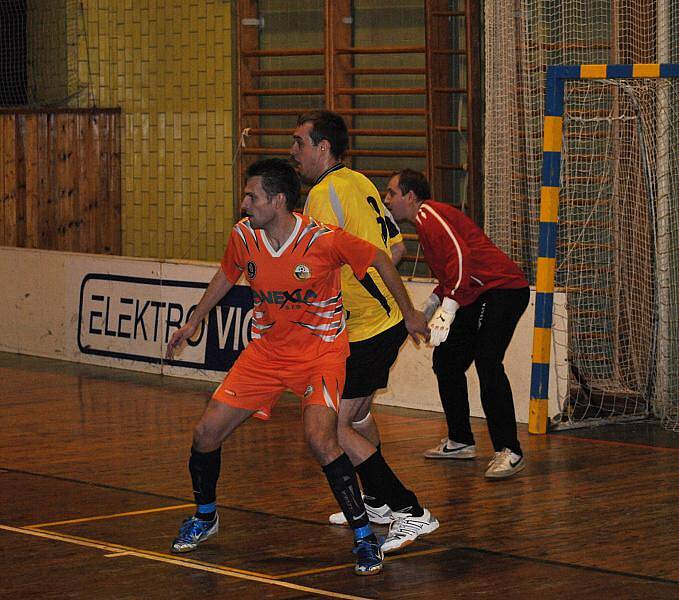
(120, 312)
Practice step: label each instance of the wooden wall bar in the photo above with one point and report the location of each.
(60, 180)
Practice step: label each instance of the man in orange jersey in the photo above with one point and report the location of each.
(299, 342)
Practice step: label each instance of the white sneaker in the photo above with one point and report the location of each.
(406, 529)
(504, 464)
(380, 515)
(450, 449)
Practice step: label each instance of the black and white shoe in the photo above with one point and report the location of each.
(450, 449)
(406, 529)
(377, 515)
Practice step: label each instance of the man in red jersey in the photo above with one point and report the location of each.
(299, 342)
(474, 309)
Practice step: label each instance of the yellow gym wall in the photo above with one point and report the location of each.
(168, 65)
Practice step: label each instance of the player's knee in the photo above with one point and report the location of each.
(355, 410)
(323, 445)
(489, 366)
(205, 437)
(344, 433)
(440, 362)
(362, 419)
(449, 367)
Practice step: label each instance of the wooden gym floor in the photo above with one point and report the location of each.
(94, 484)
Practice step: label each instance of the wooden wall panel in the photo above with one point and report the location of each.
(2, 182)
(50, 221)
(62, 162)
(20, 182)
(100, 129)
(60, 180)
(115, 179)
(9, 178)
(86, 193)
(32, 180)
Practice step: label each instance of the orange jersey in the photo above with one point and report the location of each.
(298, 312)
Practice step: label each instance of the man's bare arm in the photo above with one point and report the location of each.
(218, 288)
(416, 323)
(397, 251)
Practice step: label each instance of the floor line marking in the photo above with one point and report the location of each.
(567, 565)
(187, 563)
(348, 565)
(619, 443)
(119, 548)
(113, 516)
(103, 486)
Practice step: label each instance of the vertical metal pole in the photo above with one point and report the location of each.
(549, 210)
(663, 275)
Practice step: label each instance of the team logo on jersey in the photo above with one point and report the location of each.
(308, 391)
(251, 269)
(302, 272)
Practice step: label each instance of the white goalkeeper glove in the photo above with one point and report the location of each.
(428, 308)
(442, 320)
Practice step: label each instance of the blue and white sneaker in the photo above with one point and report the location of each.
(194, 531)
(370, 557)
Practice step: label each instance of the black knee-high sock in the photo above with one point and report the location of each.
(344, 485)
(204, 468)
(382, 484)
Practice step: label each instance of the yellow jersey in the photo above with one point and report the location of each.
(349, 200)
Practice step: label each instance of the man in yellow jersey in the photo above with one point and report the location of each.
(340, 196)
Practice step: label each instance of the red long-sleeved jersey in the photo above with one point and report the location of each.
(462, 258)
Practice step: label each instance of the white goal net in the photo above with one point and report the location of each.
(618, 250)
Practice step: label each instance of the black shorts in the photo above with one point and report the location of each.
(370, 360)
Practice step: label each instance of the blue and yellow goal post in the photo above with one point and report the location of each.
(557, 76)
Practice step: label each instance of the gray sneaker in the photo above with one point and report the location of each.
(504, 464)
(450, 449)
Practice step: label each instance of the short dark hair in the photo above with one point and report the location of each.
(327, 125)
(278, 177)
(414, 181)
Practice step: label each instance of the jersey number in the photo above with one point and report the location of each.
(380, 220)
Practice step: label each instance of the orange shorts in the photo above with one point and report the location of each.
(255, 382)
